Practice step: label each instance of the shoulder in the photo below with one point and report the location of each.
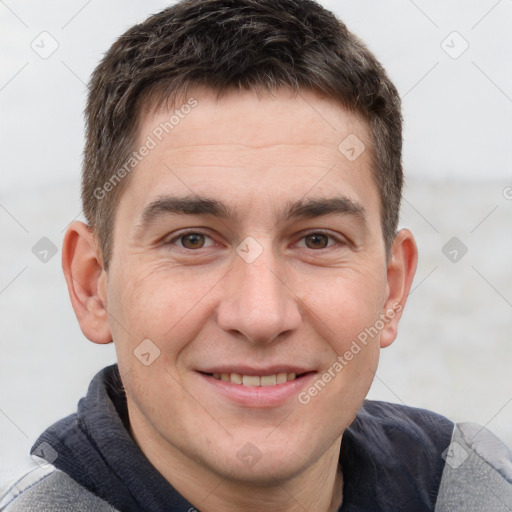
(391, 456)
(45, 489)
(390, 412)
(477, 474)
(395, 425)
(471, 469)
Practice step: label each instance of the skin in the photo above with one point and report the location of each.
(297, 303)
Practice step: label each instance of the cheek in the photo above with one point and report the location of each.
(160, 303)
(343, 383)
(344, 306)
(345, 311)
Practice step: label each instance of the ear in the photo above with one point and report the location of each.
(400, 274)
(87, 281)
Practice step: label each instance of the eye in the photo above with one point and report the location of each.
(192, 241)
(318, 241)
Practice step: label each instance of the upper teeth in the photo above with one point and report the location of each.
(256, 380)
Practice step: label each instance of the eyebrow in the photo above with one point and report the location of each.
(196, 205)
(193, 205)
(316, 207)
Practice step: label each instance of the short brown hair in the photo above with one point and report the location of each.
(259, 45)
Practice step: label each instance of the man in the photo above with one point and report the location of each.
(241, 182)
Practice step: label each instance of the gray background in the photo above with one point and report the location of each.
(454, 351)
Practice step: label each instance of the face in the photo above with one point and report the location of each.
(248, 259)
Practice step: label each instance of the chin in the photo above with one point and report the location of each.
(263, 457)
(264, 472)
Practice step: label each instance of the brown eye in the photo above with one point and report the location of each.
(316, 241)
(193, 241)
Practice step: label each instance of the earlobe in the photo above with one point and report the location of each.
(86, 281)
(400, 274)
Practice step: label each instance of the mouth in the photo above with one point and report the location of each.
(255, 381)
(256, 388)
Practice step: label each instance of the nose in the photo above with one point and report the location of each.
(257, 304)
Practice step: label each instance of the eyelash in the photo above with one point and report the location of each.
(331, 237)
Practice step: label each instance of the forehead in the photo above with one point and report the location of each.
(274, 147)
(257, 121)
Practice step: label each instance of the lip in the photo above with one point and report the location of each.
(261, 396)
(246, 370)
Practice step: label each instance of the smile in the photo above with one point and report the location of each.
(256, 380)
(249, 387)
